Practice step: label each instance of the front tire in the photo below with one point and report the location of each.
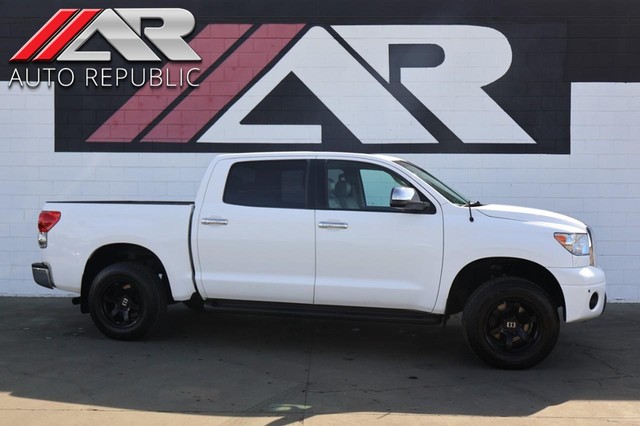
(126, 301)
(510, 323)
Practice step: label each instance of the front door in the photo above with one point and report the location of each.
(368, 253)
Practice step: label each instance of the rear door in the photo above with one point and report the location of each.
(256, 236)
(369, 254)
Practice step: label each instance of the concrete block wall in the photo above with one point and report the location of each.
(599, 182)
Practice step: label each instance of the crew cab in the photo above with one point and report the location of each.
(329, 234)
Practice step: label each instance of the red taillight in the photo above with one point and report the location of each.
(47, 220)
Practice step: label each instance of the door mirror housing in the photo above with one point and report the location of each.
(407, 198)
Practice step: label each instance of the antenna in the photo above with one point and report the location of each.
(469, 205)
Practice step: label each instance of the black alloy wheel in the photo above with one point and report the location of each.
(127, 300)
(121, 304)
(512, 326)
(511, 323)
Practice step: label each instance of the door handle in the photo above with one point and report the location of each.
(333, 225)
(214, 221)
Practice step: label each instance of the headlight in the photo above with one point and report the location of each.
(576, 244)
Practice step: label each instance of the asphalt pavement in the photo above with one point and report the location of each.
(56, 368)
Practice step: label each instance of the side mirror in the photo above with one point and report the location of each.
(407, 198)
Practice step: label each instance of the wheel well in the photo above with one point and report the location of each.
(480, 271)
(114, 253)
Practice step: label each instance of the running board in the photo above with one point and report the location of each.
(322, 311)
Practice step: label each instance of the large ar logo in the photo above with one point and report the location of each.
(402, 86)
(444, 67)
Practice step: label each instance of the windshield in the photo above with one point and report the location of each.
(433, 182)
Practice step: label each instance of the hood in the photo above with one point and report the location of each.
(525, 214)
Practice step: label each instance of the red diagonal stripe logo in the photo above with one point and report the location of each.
(149, 102)
(234, 74)
(43, 35)
(67, 34)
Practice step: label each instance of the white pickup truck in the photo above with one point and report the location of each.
(330, 234)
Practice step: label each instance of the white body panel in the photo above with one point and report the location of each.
(525, 237)
(382, 259)
(85, 227)
(578, 285)
(265, 254)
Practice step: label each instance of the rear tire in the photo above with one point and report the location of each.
(510, 323)
(127, 300)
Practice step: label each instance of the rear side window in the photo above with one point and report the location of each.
(279, 184)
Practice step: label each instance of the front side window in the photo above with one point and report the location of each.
(278, 184)
(360, 186)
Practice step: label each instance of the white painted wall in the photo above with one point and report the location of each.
(598, 183)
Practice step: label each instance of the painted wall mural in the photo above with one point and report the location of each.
(400, 79)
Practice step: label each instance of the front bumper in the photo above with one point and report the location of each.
(42, 275)
(584, 291)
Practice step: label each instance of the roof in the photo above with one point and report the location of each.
(307, 154)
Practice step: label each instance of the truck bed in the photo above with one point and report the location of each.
(162, 227)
